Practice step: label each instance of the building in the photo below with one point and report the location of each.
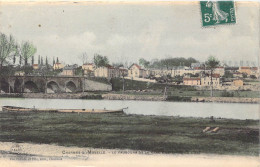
(248, 70)
(88, 66)
(238, 82)
(192, 81)
(237, 75)
(88, 69)
(69, 70)
(195, 65)
(220, 71)
(135, 71)
(206, 80)
(123, 72)
(35, 66)
(107, 72)
(58, 66)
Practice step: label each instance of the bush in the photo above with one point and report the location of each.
(252, 76)
(92, 97)
(178, 98)
(227, 94)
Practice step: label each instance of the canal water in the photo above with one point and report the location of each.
(183, 109)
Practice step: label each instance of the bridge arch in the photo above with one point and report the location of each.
(30, 87)
(5, 86)
(53, 87)
(70, 87)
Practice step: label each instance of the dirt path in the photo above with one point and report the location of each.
(41, 155)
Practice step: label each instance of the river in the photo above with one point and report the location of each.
(183, 109)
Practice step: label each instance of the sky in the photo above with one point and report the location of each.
(126, 32)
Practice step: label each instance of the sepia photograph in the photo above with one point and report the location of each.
(128, 83)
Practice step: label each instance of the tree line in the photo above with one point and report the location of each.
(10, 49)
(168, 63)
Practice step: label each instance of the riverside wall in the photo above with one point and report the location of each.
(132, 97)
(226, 99)
(113, 96)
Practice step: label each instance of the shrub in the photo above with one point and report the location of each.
(178, 98)
(227, 94)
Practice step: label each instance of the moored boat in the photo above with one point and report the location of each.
(21, 109)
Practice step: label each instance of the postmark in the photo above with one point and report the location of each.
(217, 13)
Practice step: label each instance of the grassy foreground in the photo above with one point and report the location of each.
(151, 133)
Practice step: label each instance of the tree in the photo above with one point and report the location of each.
(83, 57)
(32, 60)
(27, 50)
(57, 61)
(14, 59)
(228, 74)
(20, 60)
(53, 61)
(39, 60)
(46, 61)
(100, 60)
(8, 46)
(144, 63)
(211, 64)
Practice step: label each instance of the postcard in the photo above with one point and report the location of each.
(127, 83)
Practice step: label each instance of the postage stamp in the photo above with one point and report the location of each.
(217, 12)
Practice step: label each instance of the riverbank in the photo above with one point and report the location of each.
(157, 134)
(140, 97)
(34, 155)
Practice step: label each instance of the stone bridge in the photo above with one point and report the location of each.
(44, 84)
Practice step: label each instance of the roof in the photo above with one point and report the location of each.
(215, 75)
(191, 79)
(89, 64)
(139, 67)
(198, 68)
(110, 67)
(245, 67)
(69, 67)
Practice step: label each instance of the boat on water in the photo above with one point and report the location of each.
(21, 109)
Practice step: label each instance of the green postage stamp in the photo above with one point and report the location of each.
(217, 12)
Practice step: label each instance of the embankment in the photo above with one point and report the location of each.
(114, 96)
(226, 99)
(132, 97)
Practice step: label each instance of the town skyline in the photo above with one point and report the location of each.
(144, 31)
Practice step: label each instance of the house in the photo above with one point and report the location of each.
(123, 72)
(237, 75)
(88, 66)
(135, 71)
(35, 66)
(69, 70)
(206, 80)
(220, 71)
(191, 81)
(195, 65)
(249, 71)
(238, 82)
(58, 66)
(88, 69)
(107, 72)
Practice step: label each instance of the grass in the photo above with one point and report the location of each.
(150, 133)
